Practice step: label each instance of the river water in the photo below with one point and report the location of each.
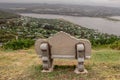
(101, 24)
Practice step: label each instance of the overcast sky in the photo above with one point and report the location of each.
(66, 1)
(101, 2)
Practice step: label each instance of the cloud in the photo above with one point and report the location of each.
(66, 1)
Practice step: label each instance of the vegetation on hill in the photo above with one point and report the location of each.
(33, 28)
(115, 45)
(12, 28)
(19, 44)
(19, 33)
(7, 15)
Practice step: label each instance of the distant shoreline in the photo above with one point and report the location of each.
(103, 25)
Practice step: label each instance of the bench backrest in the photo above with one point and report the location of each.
(63, 45)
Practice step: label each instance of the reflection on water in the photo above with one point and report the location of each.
(101, 24)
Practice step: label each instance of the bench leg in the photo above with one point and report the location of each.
(80, 57)
(47, 65)
(46, 58)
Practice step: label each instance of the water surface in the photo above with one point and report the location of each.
(100, 24)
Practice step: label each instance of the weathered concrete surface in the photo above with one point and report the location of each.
(63, 45)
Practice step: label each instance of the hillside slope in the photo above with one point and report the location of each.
(25, 65)
(7, 15)
(33, 28)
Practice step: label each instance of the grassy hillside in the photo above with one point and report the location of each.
(25, 65)
(34, 28)
(7, 15)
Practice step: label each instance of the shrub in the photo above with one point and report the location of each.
(115, 45)
(6, 36)
(18, 44)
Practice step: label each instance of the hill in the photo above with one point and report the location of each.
(62, 9)
(25, 65)
(34, 28)
(7, 15)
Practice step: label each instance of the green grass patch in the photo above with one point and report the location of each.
(106, 55)
(18, 44)
(25, 65)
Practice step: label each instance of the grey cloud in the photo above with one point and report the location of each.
(66, 1)
(113, 3)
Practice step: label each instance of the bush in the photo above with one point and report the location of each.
(18, 44)
(115, 45)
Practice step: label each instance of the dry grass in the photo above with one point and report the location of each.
(25, 65)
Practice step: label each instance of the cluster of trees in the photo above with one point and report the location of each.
(32, 28)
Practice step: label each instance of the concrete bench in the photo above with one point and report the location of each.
(63, 45)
